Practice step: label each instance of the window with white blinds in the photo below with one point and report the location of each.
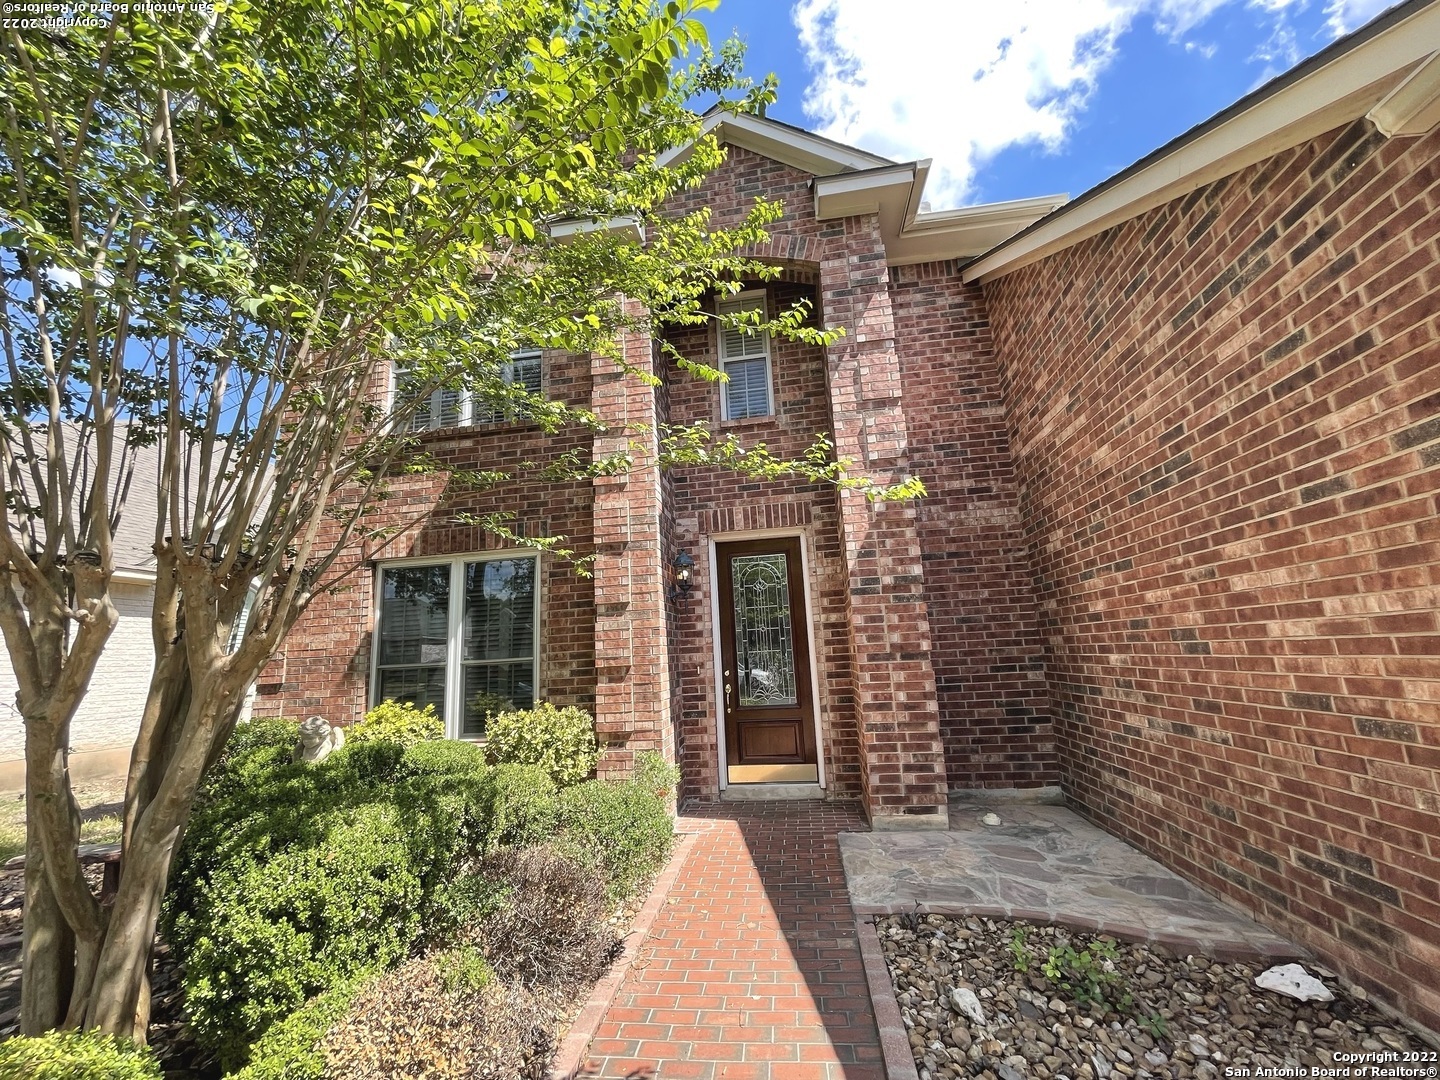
(745, 360)
(523, 370)
(453, 407)
(460, 634)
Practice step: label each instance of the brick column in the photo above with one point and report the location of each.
(902, 760)
(632, 692)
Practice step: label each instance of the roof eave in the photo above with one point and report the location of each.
(1338, 85)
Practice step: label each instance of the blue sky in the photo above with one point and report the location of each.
(1013, 98)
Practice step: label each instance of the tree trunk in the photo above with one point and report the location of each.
(124, 963)
(47, 965)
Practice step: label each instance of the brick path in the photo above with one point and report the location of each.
(751, 971)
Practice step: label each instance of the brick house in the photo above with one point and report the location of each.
(1180, 554)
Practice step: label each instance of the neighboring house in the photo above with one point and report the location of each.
(103, 731)
(1180, 555)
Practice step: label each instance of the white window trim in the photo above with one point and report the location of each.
(454, 646)
(762, 349)
(467, 409)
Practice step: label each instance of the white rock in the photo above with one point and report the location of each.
(967, 1005)
(1294, 981)
(991, 818)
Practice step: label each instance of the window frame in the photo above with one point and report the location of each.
(763, 351)
(454, 629)
(467, 405)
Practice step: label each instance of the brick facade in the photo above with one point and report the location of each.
(1180, 550)
(987, 654)
(1225, 419)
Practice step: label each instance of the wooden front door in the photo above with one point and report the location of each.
(766, 701)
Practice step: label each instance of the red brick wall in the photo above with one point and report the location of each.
(1225, 417)
(324, 666)
(986, 646)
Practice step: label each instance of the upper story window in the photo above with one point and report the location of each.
(452, 407)
(745, 360)
(460, 634)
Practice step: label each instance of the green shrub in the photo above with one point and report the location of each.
(626, 827)
(290, 1049)
(271, 731)
(295, 878)
(560, 741)
(654, 773)
(275, 933)
(404, 724)
(521, 807)
(75, 1055)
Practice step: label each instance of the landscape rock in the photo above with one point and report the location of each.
(973, 1014)
(1294, 981)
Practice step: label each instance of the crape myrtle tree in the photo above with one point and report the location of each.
(220, 230)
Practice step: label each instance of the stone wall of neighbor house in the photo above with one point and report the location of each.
(986, 645)
(1225, 417)
(324, 664)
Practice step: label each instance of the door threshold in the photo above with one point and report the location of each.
(764, 792)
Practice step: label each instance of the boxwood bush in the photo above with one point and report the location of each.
(75, 1055)
(290, 1049)
(295, 878)
(560, 741)
(625, 827)
(297, 882)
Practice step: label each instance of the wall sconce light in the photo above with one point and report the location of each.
(684, 575)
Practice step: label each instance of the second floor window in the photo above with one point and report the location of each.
(452, 407)
(745, 360)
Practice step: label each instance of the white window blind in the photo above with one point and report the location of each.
(745, 360)
(523, 369)
(452, 407)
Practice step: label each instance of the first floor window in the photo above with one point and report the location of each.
(459, 634)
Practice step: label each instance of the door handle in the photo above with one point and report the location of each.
(727, 691)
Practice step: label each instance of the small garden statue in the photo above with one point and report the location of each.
(318, 740)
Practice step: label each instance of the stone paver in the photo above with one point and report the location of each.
(1045, 864)
(752, 971)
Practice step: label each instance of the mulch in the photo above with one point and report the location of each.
(180, 1057)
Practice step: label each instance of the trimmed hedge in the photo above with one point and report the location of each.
(560, 741)
(290, 1049)
(297, 882)
(75, 1055)
(295, 878)
(626, 828)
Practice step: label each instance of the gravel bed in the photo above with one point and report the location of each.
(1163, 1015)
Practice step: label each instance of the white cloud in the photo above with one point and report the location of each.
(61, 277)
(962, 81)
(1346, 15)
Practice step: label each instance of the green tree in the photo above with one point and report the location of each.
(219, 228)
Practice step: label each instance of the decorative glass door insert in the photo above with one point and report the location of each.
(765, 690)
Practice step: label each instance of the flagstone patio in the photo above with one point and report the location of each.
(1045, 863)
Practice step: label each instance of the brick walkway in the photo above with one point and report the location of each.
(752, 971)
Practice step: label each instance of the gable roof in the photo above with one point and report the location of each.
(1388, 70)
(850, 181)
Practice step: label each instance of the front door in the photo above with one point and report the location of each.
(766, 701)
